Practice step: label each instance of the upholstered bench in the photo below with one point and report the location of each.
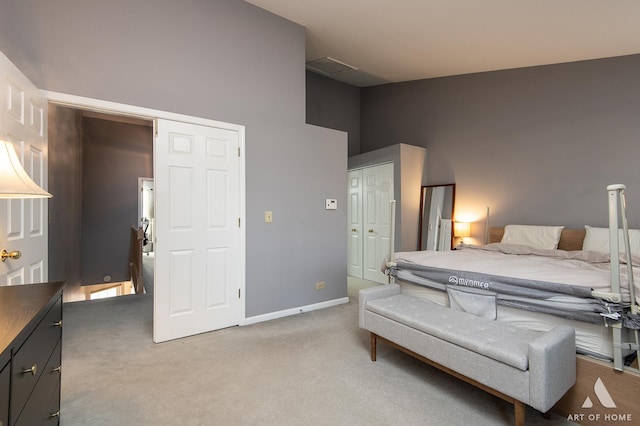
(520, 366)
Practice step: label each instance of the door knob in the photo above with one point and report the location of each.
(371, 231)
(15, 254)
(354, 230)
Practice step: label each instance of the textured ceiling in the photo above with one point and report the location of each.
(401, 40)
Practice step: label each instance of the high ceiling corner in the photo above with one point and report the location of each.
(415, 39)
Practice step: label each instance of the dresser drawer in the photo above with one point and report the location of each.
(5, 375)
(30, 360)
(43, 407)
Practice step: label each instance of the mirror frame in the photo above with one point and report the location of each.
(423, 191)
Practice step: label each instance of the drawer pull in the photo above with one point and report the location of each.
(56, 414)
(58, 324)
(57, 369)
(32, 370)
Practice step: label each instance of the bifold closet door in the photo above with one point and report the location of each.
(376, 194)
(369, 227)
(354, 231)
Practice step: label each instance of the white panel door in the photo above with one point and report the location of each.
(354, 225)
(198, 276)
(377, 192)
(23, 223)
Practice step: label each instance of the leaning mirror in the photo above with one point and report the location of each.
(436, 216)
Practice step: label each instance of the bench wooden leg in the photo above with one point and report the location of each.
(519, 407)
(518, 413)
(374, 341)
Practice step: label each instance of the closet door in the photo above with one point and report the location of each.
(354, 225)
(23, 222)
(377, 192)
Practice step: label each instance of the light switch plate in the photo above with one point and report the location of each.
(331, 204)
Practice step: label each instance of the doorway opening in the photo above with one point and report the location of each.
(173, 135)
(95, 161)
(146, 213)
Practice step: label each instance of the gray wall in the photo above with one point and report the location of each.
(94, 167)
(114, 156)
(537, 145)
(335, 105)
(65, 208)
(224, 60)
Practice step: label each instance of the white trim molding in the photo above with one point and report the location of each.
(295, 311)
(98, 105)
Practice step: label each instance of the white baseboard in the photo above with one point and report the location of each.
(294, 311)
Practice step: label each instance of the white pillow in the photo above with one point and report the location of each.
(597, 239)
(542, 237)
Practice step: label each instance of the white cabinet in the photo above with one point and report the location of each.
(369, 227)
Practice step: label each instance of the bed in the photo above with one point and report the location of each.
(532, 288)
(569, 285)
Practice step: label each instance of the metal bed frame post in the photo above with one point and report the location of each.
(617, 202)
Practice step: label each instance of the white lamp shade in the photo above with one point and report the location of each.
(462, 229)
(14, 181)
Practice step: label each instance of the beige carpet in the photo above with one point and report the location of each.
(308, 369)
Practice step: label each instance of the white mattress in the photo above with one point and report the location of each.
(582, 269)
(591, 339)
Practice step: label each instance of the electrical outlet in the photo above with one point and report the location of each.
(320, 285)
(268, 217)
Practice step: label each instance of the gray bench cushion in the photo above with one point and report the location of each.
(498, 341)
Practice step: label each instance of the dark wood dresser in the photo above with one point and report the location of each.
(30, 353)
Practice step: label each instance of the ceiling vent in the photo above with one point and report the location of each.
(329, 66)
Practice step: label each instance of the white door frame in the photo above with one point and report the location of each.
(73, 101)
